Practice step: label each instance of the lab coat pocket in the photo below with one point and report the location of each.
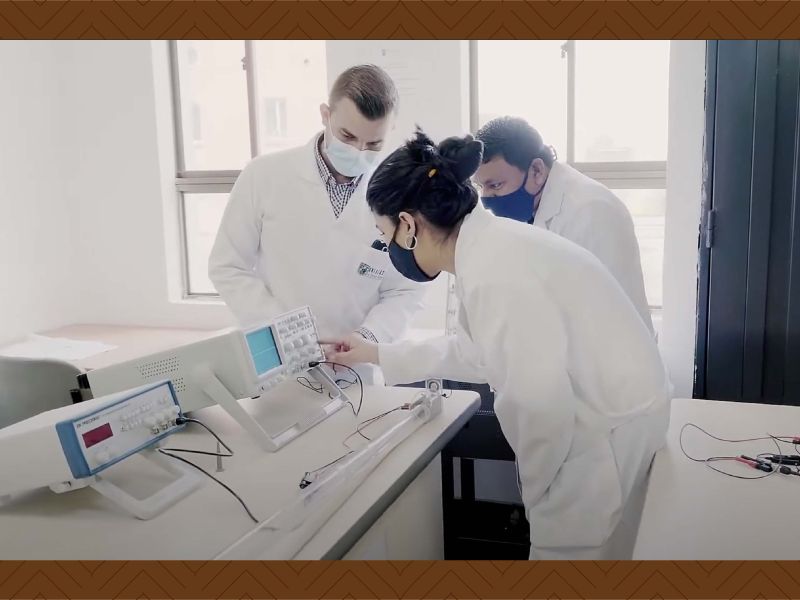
(583, 504)
(635, 443)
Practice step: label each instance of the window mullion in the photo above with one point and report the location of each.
(184, 245)
(180, 157)
(252, 95)
(474, 108)
(569, 49)
(630, 175)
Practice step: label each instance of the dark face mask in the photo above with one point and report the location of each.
(406, 264)
(518, 205)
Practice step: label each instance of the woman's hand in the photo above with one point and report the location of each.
(351, 350)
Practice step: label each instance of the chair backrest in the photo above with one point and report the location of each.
(31, 386)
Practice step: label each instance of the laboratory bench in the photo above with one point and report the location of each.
(690, 513)
(395, 514)
(474, 527)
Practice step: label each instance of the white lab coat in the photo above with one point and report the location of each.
(280, 246)
(581, 392)
(588, 213)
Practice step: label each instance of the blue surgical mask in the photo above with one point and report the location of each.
(518, 205)
(406, 263)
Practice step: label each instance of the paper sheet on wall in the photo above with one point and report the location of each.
(40, 346)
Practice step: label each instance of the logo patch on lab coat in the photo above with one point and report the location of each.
(366, 270)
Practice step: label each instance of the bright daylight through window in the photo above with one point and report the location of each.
(601, 104)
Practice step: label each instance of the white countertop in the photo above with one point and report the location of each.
(83, 525)
(693, 513)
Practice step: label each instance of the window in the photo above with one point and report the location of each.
(235, 100)
(213, 100)
(202, 213)
(603, 106)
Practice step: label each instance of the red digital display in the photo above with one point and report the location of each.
(97, 435)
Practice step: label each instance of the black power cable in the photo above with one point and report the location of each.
(169, 451)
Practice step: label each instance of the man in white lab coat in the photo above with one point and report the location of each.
(297, 229)
(520, 179)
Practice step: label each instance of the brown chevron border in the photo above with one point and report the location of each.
(346, 579)
(402, 19)
(387, 19)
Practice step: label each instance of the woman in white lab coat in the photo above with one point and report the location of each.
(581, 392)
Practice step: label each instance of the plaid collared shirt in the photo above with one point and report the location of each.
(338, 193)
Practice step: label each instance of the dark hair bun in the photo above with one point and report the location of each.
(421, 148)
(464, 155)
(421, 177)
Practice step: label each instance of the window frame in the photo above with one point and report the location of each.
(204, 181)
(633, 175)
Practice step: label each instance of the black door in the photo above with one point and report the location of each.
(748, 344)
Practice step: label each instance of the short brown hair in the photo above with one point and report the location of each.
(369, 87)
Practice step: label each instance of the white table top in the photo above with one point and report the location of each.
(131, 341)
(693, 513)
(83, 525)
(135, 341)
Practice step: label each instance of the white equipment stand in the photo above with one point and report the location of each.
(218, 393)
(188, 481)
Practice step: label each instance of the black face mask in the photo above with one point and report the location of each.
(406, 263)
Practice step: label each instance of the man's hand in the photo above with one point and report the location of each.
(351, 350)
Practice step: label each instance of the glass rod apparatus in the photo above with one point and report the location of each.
(285, 533)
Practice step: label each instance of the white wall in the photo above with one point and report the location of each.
(684, 182)
(37, 222)
(120, 179)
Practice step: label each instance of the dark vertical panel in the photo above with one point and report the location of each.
(748, 344)
(448, 503)
(760, 201)
(784, 157)
(733, 156)
(791, 390)
(701, 337)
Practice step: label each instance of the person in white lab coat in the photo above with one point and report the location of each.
(520, 179)
(297, 229)
(581, 392)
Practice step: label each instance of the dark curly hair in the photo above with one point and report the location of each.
(515, 141)
(434, 181)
